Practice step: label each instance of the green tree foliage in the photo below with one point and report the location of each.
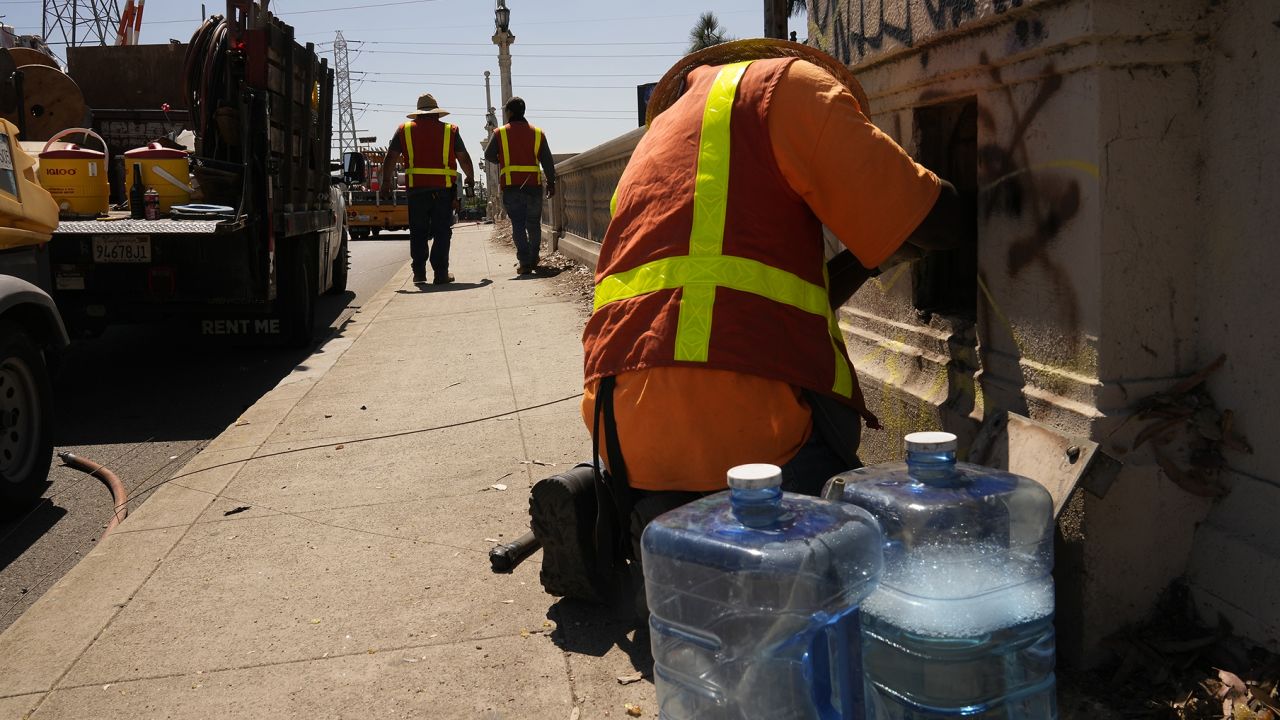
(707, 32)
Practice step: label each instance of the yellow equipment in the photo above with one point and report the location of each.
(76, 177)
(165, 169)
(28, 215)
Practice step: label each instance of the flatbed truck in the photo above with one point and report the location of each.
(269, 234)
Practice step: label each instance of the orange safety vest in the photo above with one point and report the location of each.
(429, 150)
(521, 143)
(711, 258)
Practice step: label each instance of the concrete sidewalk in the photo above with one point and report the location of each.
(299, 567)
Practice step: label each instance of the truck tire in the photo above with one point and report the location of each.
(341, 267)
(26, 417)
(296, 300)
(375, 231)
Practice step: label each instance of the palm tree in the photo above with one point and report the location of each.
(706, 33)
(795, 7)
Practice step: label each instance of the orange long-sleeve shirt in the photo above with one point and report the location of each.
(682, 428)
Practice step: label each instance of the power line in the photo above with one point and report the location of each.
(522, 56)
(523, 44)
(454, 108)
(523, 74)
(561, 87)
(565, 21)
(357, 7)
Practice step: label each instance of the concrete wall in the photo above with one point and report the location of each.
(1122, 154)
(1234, 569)
(1120, 180)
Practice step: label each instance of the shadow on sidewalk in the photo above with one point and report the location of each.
(589, 629)
(430, 287)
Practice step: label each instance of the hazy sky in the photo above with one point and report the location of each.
(576, 63)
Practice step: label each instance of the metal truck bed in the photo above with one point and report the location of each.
(122, 224)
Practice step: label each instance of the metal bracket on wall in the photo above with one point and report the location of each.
(1060, 462)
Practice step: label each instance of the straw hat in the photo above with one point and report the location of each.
(671, 86)
(427, 105)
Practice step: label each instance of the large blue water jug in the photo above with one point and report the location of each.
(753, 595)
(961, 624)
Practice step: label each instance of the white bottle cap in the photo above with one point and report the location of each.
(931, 442)
(756, 476)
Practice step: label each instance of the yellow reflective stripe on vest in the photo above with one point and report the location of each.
(736, 273)
(710, 202)
(706, 268)
(506, 156)
(448, 172)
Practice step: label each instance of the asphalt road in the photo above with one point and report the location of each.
(142, 401)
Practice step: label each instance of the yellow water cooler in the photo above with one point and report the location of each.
(165, 169)
(76, 177)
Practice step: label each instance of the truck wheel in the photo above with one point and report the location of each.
(341, 266)
(26, 417)
(296, 301)
(376, 231)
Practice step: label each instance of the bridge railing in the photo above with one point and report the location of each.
(579, 213)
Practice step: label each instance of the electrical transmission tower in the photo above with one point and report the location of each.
(346, 117)
(80, 22)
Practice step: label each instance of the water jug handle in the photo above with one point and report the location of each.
(106, 152)
(823, 676)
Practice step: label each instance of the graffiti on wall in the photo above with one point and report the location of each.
(850, 29)
(1033, 197)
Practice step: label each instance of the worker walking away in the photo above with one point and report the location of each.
(713, 341)
(433, 152)
(518, 149)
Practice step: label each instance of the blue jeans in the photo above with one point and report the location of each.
(430, 224)
(524, 207)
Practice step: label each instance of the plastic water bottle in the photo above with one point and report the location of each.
(754, 595)
(961, 624)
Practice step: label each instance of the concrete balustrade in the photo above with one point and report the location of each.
(578, 215)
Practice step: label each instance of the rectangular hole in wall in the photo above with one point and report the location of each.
(946, 141)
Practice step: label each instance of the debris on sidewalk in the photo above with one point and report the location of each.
(1175, 668)
(634, 710)
(634, 677)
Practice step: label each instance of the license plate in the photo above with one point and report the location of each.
(362, 218)
(125, 249)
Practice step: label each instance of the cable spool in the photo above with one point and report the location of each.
(27, 56)
(52, 102)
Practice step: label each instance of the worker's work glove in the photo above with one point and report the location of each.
(551, 188)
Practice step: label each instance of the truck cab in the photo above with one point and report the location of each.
(31, 331)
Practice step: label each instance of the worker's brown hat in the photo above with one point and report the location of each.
(427, 105)
(671, 86)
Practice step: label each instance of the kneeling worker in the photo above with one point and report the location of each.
(713, 340)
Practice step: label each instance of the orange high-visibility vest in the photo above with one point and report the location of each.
(711, 258)
(429, 152)
(521, 143)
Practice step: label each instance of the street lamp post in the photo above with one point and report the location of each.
(503, 39)
(490, 172)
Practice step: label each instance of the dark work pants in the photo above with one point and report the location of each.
(430, 225)
(524, 207)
